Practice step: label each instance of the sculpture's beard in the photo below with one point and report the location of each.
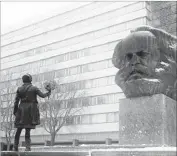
(142, 81)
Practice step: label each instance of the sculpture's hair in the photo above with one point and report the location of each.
(167, 42)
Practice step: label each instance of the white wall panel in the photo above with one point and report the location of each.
(100, 91)
(98, 109)
(75, 47)
(105, 127)
(89, 11)
(40, 27)
(54, 38)
(62, 65)
(88, 75)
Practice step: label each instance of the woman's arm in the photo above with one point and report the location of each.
(17, 99)
(41, 94)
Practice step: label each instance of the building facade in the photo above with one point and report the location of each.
(76, 47)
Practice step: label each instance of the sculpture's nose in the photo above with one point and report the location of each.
(134, 60)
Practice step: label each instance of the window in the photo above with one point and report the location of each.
(85, 119)
(70, 103)
(85, 102)
(69, 120)
(111, 98)
(66, 72)
(88, 84)
(63, 104)
(102, 81)
(38, 50)
(116, 116)
(73, 55)
(78, 103)
(98, 118)
(94, 101)
(77, 120)
(84, 68)
(101, 100)
(73, 71)
(110, 117)
(111, 80)
(59, 73)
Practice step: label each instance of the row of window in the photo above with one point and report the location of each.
(85, 24)
(7, 97)
(63, 41)
(75, 102)
(85, 101)
(43, 26)
(58, 45)
(79, 85)
(56, 59)
(7, 94)
(63, 58)
(61, 72)
(90, 119)
(77, 119)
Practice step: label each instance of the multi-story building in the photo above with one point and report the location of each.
(76, 47)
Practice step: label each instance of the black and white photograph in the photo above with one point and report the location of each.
(88, 78)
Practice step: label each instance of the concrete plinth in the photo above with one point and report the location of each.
(104, 151)
(47, 143)
(149, 120)
(108, 141)
(153, 151)
(46, 153)
(75, 142)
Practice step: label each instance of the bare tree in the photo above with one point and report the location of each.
(7, 117)
(58, 109)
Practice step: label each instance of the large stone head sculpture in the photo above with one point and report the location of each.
(147, 65)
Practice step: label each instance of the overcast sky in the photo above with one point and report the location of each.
(15, 15)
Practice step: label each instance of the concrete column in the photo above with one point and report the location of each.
(75, 142)
(47, 143)
(108, 141)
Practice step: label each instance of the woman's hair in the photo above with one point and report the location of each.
(26, 78)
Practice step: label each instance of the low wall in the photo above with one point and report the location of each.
(148, 151)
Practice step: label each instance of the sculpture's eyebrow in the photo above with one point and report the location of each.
(144, 52)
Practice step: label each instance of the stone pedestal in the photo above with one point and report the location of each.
(75, 142)
(108, 141)
(149, 120)
(47, 143)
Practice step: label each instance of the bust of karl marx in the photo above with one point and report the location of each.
(146, 60)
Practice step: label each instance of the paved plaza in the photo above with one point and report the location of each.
(141, 151)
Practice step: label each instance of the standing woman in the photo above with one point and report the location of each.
(26, 110)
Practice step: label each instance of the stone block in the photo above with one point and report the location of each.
(75, 142)
(133, 152)
(108, 141)
(47, 143)
(46, 153)
(149, 120)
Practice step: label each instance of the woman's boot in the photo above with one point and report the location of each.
(28, 144)
(15, 146)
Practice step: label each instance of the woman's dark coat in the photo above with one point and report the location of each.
(27, 111)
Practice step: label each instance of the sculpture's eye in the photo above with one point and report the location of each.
(129, 56)
(142, 54)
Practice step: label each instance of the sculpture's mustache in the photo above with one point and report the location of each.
(128, 72)
(136, 71)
